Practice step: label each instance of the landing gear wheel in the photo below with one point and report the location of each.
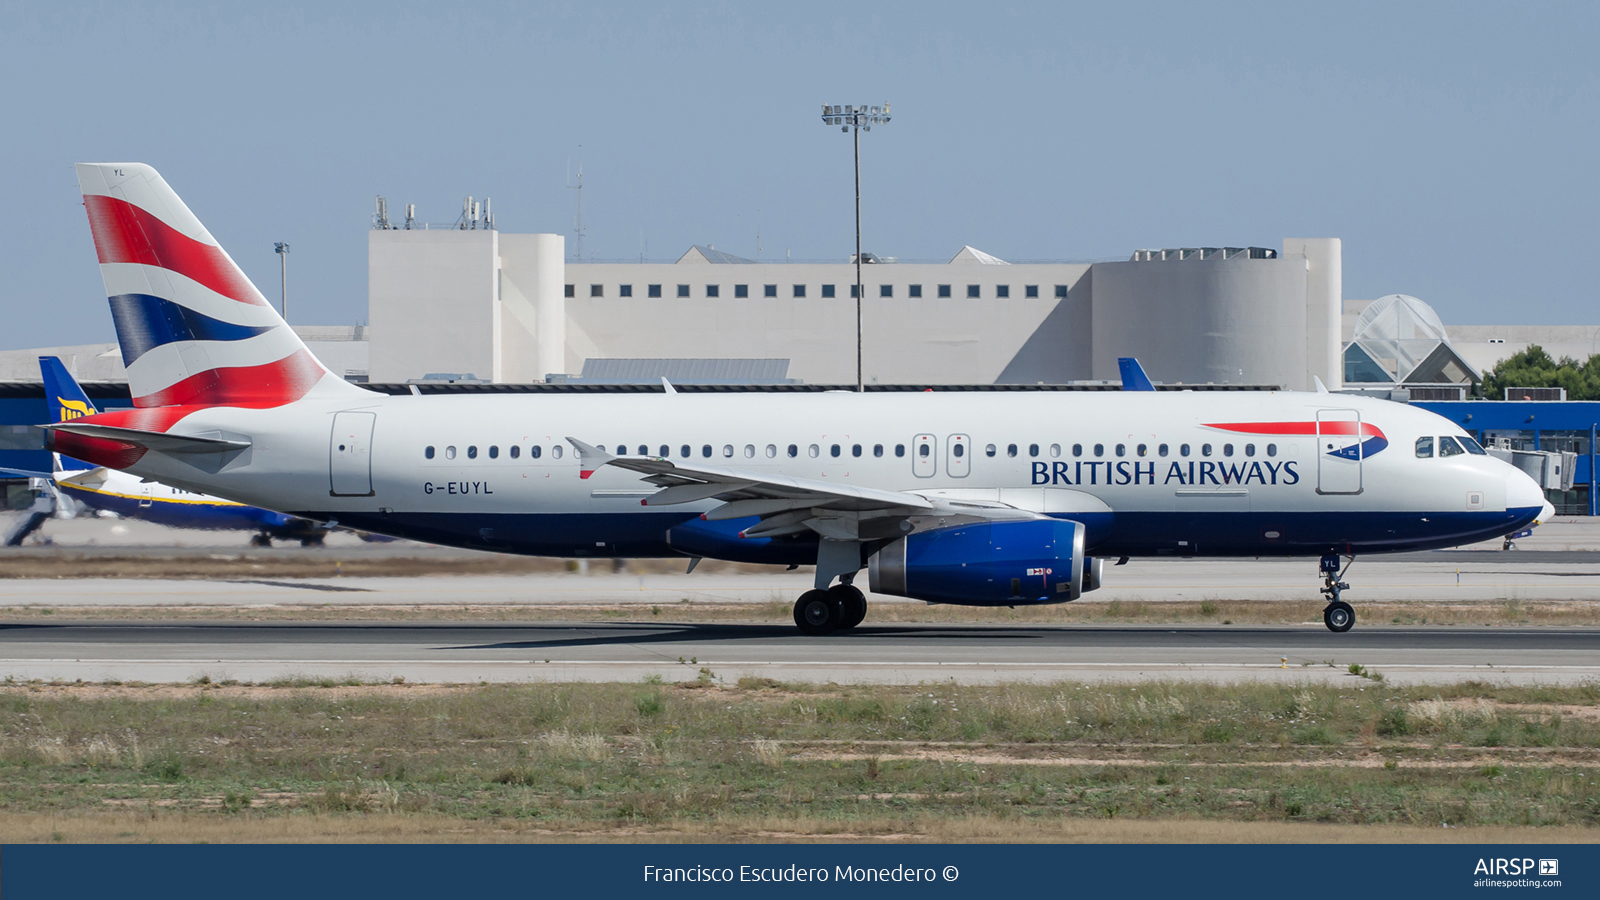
(852, 603)
(817, 613)
(1339, 616)
(260, 540)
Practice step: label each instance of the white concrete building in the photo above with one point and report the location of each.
(507, 308)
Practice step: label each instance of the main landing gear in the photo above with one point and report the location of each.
(838, 608)
(1338, 615)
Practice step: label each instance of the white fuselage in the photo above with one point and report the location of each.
(1169, 479)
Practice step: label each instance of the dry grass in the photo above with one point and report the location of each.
(188, 827)
(763, 760)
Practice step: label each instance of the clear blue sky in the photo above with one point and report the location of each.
(1451, 146)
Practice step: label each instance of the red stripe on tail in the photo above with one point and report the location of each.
(274, 384)
(124, 233)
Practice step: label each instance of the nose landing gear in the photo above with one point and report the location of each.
(1337, 615)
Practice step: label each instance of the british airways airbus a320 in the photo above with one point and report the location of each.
(984, 499)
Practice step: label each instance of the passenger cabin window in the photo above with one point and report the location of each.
(1077, 449)
(727, 449)
(1449, 447)
(535, 451)
(1183, 449)
(1033, 449)
(1161, 450)
(1055, 450)
(793, 451)
(772, 451)
(555, 451)
(515, 451)
(877, 450)
(1249, 449)
(989, 450)
(1227, 449)
(959, 450)
(450, 453)
(813, 451)
(1011, 449)
(1099, 449)
(923, 451)
(684, 451)
(428, 453)
(1424, 448)
(855, 449)
(705, 450)
(1142, 450)
(494, 451)
(1122, 449)
(749, 451)
(834, 451)
(644, 450)
(899, 449)
(1272, 449)
(472, 452)
(1205, 449)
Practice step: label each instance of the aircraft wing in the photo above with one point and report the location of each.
(784, 504)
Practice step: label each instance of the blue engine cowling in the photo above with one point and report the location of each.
(988, 564)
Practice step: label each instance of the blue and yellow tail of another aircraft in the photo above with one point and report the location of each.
(67, 401)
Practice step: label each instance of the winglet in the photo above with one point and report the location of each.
(1133, 376)
(1321, 388)
(668, 385)
(589, 458)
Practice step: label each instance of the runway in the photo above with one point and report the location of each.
(472, 652)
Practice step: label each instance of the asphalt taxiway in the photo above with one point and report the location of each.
(471, 652)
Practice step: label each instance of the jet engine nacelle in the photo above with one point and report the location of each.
(988, 564)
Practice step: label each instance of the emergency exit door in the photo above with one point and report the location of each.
(924, 455)
(350, 454)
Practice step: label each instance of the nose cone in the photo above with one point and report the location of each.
(1545, 514)
(1523, 492)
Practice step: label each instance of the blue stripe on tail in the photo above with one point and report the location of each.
(145, 322)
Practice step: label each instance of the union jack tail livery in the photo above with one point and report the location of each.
(194, 331)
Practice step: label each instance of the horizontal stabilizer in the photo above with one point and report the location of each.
(153, 440)
(23, 473)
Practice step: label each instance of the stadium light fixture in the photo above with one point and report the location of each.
(859, 118)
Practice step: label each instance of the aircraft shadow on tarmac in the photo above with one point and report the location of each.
(619, 633)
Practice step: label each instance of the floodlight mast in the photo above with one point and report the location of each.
(282, 249)
(857, 118)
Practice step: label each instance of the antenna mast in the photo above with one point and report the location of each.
(578, 231)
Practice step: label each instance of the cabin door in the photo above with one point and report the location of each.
(350, 454)
(1339, 451)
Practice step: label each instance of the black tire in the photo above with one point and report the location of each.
(852, 605)
(261, 540)
(1339, 616)
(817, 613)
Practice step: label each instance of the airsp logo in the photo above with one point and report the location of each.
(1524, 866)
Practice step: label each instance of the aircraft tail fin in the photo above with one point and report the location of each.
(67, 401)
(193, 330)
(1133, 376)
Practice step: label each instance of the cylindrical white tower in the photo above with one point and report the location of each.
(550, 301)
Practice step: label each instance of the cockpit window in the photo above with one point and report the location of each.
(1473, 447)
(1424, 448)
(1449, 447)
